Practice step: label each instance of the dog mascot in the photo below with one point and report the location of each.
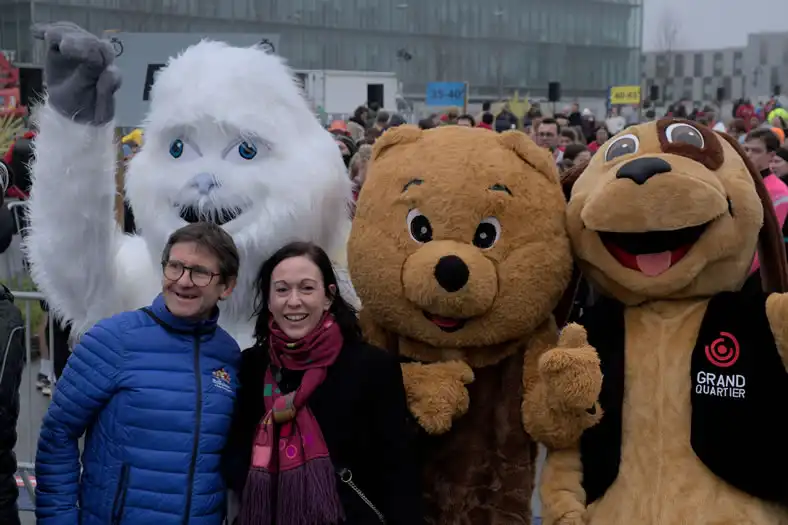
(459, 253)
(665, 222)
(254, 160)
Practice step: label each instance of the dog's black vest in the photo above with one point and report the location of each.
(739, 397)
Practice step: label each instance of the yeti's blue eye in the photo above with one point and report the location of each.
(247, 151)
(176, 148)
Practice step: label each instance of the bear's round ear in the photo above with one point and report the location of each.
(393, 136)
(538, 158)
(570, 176)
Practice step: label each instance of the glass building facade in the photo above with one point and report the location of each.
(497, 46)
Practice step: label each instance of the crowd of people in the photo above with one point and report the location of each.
(310, 423)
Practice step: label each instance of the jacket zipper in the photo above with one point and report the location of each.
(119, 502)
(196, 444)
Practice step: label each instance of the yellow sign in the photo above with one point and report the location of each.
(624, 95)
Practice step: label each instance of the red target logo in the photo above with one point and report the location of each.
(723, 351)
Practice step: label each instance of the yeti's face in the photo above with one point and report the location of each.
(210, 172)
(230, 139)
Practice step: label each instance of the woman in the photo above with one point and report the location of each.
(602, 136)
(321, 415)
(779, 164)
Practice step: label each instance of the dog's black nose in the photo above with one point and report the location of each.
(642, 169)
(451, 273)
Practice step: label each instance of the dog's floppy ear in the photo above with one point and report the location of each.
(537, 157)
(570, 176)
(771, 246)
(566, 305)
(398, 135)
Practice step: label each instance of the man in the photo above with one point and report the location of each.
(153, 390)
(760, 145)
(381, 121)
(487, 121)
(547, 137)
(12, 363)
(466, 121)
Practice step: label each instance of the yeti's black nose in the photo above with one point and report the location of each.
(642, 169)
(451, 273)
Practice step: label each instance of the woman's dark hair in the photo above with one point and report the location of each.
(360, 112)
(344, 313)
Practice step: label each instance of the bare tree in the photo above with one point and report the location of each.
(669, 32)
(668, 41)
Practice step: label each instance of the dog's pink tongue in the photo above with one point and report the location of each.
(653, 264)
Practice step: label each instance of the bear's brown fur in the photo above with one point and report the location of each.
(661, 480)
(459, 253)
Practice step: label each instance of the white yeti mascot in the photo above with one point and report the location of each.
(228, 138)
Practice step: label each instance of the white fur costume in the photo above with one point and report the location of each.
(220, 103)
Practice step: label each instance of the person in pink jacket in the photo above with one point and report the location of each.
(778, 191)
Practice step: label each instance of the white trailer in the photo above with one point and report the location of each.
(338, 93)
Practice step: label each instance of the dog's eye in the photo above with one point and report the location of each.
(621, 146)
(419, 226)
(487, 233)
(684, 134)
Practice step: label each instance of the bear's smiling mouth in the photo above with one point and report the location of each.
(446, 324)
(652, 253)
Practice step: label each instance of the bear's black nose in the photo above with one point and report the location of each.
(642, 169)
(451, 273)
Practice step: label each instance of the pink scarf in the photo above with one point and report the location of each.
(292, 480)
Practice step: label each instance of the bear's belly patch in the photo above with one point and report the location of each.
(661, 481)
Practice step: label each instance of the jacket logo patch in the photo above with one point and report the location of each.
(222, 380)
(723, 353)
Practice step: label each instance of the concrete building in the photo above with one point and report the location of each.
(754, 71)
(496, 46)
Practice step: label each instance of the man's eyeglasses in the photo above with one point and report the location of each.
(173, 270)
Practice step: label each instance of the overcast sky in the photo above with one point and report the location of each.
(710, 24)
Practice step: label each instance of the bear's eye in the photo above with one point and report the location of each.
(419, 226)
(684, 134)
(487, 233)
(621, 146)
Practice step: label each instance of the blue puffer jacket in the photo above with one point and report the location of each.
(155, 394)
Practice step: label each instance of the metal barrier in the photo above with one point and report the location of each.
(29, 421)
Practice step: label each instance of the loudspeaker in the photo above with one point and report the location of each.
(554, 92)
(375, 94)
(31, 85)
(720, 94)
(777, 90)
(654, 93)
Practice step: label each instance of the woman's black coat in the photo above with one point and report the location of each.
(362, 411)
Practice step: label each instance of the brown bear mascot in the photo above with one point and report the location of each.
(665, 222)
(459, 253)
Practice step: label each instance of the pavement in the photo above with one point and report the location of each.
(32, 408)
